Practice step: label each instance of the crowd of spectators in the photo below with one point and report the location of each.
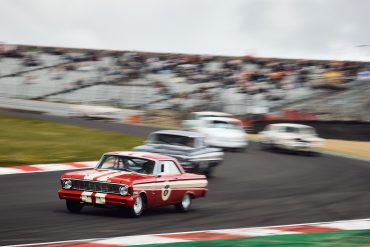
(250, 75)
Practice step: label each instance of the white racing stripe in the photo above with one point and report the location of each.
(189, 184)
(100, 198)
(96, 174)
(86, 197)
(174, 184)
(111, 175)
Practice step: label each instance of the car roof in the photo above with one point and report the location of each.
(291, 125)
(146, 155)
(180, 133)
(213, 113)
(226, 119)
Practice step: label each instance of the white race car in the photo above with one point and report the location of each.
(195, 118)
(223, 132)
(295, 137)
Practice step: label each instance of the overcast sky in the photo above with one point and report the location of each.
(321, 29)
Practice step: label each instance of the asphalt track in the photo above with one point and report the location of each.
(257, 188)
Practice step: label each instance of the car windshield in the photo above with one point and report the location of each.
(127, 163)
(178, 140)
(224, 124)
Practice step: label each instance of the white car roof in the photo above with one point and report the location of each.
(213, 113)
(180, 133)
(291, 125)
(225, 119)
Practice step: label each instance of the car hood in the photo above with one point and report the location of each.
(110, 176)
(164, 149)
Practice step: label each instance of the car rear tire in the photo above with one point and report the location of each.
(74, 206)
(138, 208)
(185, 204)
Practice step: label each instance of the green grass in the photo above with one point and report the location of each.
(326, 239)
(28, 141)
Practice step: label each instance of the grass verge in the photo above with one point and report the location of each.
(28, 141)
(326, 239)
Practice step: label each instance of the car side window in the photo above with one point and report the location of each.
(168, 167)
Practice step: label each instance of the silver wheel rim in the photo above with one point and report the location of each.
(138, 205)
(186, 201)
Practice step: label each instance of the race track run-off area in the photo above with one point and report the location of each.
(337, 233)
(252, 189)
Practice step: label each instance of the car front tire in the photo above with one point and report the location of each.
(139, 207)
(74, 206)
(185, 204)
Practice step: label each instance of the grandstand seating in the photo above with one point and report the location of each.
(185, 82)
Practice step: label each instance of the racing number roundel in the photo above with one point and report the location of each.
(166, 192)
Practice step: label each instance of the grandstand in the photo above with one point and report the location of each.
(240, 85)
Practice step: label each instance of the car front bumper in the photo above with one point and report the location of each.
(227, 143)
(96, 198)
(298, 147)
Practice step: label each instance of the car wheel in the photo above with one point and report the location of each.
(185, 204)
(139, 207)
(74, 206)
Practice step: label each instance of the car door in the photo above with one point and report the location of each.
(169, 183)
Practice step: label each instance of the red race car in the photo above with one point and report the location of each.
(134, 180)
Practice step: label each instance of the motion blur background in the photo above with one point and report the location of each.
(83, 77)
(266, 60)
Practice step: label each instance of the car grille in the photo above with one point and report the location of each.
(95, 186)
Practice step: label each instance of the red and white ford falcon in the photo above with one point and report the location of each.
(135, 180)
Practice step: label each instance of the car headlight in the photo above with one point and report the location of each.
(123, 190)
(67, 184)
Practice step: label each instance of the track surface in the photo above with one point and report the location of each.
(257, 188)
